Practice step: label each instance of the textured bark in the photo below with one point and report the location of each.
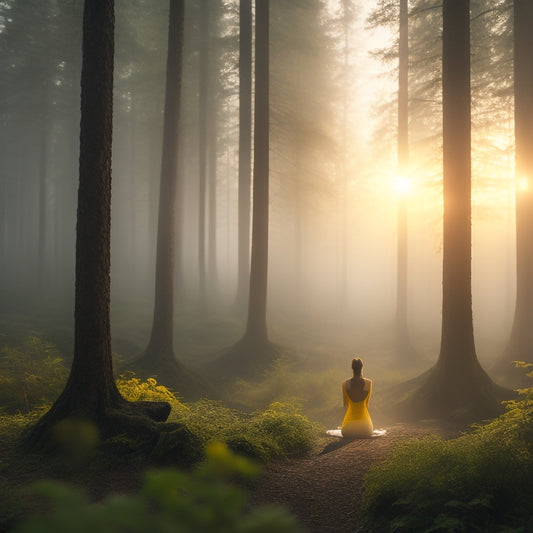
(245, 148)
(256, 330)
(520, 344)
(91, 391)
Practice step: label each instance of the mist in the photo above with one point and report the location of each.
(333, 210)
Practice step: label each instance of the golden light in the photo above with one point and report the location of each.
(522, 183)
(402, 185)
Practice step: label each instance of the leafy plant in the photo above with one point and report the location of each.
(205, 500)
(481, 481)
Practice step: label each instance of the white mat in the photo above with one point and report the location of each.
(337, 433)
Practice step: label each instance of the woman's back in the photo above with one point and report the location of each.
(356, 393)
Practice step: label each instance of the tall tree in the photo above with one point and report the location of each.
(245, 149)
(159, 357)
(520, 344)
(203, 95)
(91, 391)
(256, 328)
(254, 351)
(456, 386)
(403, 341)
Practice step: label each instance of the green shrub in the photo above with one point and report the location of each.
(482, 481)
(279, 431)
(206, 500)
(210, 420)
(285, 429)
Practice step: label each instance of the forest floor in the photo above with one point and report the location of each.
(325, 488)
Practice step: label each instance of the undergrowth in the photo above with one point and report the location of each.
(206, 499)
(481, 481)
(32, 375)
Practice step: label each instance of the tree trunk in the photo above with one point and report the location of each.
(457, 387)
(256, 330)
(245, 146)
(212, 269)
(91, 391)
(253, 353)
(203, 81)
(520, 344)
(43, 197)
(159, 359)
(403, 341)
(162, 337)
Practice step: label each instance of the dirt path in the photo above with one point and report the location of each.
(324, 490)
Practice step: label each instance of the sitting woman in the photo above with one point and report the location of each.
(356, 393)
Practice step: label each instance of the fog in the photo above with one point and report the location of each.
(333, 203)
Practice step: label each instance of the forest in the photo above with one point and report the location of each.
(213, 213)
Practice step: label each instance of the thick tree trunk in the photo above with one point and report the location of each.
(520, 344)
(91, 392)
(245, 147)
(457, 387)
(256, 330)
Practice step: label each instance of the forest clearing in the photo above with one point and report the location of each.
(228, 226)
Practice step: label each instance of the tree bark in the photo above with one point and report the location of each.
(91, 392)
(256, 330)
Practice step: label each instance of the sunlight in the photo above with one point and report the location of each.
(523, 183)
(403, 185)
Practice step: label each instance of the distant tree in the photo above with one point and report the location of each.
(520, 344)
(159, 358)
(203, 95)
(456, 386)
(254, 351)
(403, 341)
(91, 392)
(256, 327)
(245, 148)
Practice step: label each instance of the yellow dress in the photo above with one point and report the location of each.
(357, 422)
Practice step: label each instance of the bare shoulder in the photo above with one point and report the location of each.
(368, 384)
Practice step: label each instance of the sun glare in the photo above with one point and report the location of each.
(402, 185)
